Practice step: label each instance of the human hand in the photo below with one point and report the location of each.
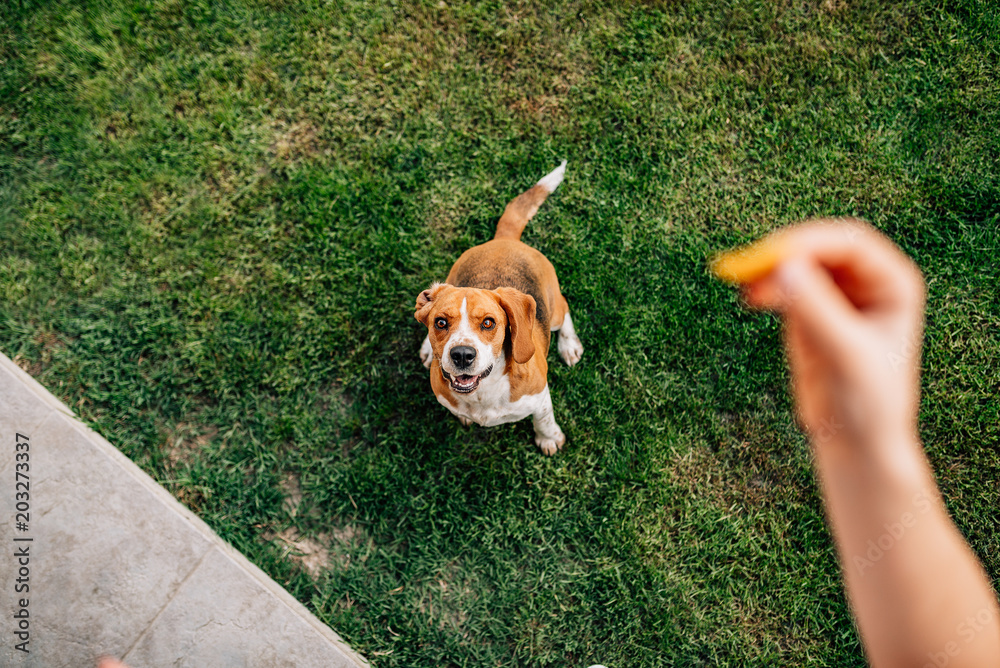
(852, 305)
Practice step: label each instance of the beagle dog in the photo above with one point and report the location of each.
(489, 324)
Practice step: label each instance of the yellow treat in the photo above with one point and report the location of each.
(747, 264)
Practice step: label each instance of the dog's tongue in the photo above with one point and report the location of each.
(465, 381)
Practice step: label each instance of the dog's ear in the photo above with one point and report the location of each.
(425, 301)
(520, 310)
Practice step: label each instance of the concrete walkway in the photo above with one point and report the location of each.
(113, 564)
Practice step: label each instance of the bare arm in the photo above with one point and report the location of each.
(852, 307)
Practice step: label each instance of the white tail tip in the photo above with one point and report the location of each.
(552, 180)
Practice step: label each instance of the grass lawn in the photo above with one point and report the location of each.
(215, 218)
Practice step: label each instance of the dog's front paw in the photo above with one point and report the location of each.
(426, 352)
(550, 445)
(570, 348)
(465, 421)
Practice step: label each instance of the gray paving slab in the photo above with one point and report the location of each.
(112, 560)
(22, 396)
(201, 625)
(115, 565)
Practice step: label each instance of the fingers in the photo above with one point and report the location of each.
(818, 307)
(872, 274)
(110, 662)
(870, 269)
(837, 284)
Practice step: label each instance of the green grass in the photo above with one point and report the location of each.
(215, 218)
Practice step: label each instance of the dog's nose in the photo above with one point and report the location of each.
(463, 356)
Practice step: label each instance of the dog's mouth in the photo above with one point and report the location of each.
(465, 383)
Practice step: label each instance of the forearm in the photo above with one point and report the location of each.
(918, 591)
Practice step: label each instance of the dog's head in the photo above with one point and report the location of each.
(470, 329)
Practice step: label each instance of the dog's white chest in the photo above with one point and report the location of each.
(490, 404)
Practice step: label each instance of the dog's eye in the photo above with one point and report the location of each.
(488, 323)
(441, 323)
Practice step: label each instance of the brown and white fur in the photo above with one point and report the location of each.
(489, 327)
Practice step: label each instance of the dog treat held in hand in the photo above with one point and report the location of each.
(747, 264)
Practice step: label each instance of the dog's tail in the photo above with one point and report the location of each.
(523, 207)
